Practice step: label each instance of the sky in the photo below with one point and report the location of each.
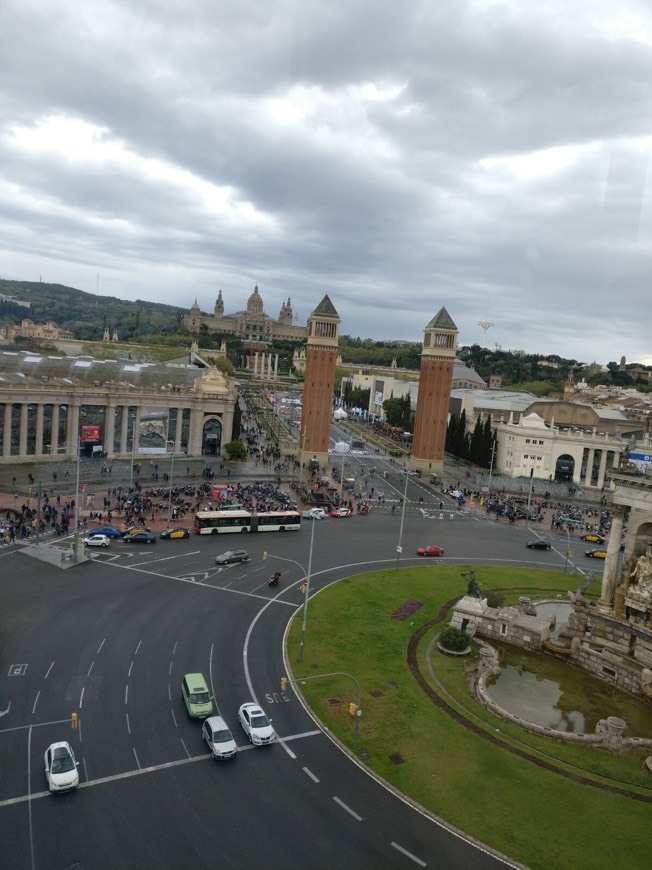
(489, 157)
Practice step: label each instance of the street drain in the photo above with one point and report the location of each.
(333, 702)
(396, 758)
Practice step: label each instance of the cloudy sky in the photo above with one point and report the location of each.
(491, 157)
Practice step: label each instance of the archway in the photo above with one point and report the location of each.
(564, 468)
(211, 442)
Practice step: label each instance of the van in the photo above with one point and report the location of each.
(196, 696)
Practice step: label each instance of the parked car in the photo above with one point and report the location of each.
(596, 554)
(169, 534)
(255, 724)
(315, 514)
(539, 545)
(341, 512)
(140, 538)
(593, 538)
(96, 540)
(60, 767)
(217, 735)
(109, 531)
(232, 556)
(430, 550)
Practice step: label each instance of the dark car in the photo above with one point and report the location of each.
(169, 534)
(597, 554)
(539, 545)
(109, 531)
(131, 529)
(140, 538)
(232, 556)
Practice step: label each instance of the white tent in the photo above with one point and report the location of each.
(340, 414)
(341, 447)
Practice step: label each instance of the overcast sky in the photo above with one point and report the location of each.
(491, 157)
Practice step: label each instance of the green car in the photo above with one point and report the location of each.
(196, 696)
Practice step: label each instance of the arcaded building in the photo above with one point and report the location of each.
(49, 405)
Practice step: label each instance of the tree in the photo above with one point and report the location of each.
(235, 449)
(393, 409)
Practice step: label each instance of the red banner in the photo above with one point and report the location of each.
(91, 433)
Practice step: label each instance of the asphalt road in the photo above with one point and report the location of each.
(111, 640)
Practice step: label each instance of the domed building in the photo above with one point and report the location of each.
(252, 325)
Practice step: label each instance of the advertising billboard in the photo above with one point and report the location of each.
(153, 431)
(91, 434)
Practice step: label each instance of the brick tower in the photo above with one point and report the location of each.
(435, 380)
(318, 384)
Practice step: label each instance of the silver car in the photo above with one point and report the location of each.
(232, 556)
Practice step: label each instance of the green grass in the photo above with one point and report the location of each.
(539, 817)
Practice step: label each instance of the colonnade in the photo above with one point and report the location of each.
(265, 367)
(588, 473)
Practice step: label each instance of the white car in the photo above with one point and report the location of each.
(97, 541)
(61, 767)
(256, 725)
(220, 741)
(315, 514)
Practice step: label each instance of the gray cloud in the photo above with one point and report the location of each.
(490, 157)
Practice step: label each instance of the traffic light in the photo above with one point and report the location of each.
(284, 683)
(264, 554)
(353, 708)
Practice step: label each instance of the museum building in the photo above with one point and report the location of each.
(49, 405)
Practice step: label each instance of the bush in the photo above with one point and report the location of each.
(495, 598)
(454, 639)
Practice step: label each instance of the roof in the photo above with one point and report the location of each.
(325, 309)
(442, 320)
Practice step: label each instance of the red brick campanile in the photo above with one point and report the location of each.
(435, 380)
(319, 384)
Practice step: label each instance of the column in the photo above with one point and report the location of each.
(38, 447)
(72, 435)
(609, 577)
(603, 468)
(109, 428)
(54, 434)
(177, 434)
(589, 466)
(276, 366)
(269, 365)
(255, 363)
(6, 445)
(124, 428)
(22, 436)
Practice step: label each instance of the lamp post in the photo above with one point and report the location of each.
(358, 711)
(491, 464)
(170, 490)
(306, 591)
(568, 549)
(75, 537)
(133, 450)
(399, 547)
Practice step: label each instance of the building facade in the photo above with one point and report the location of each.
(28, 329)
(252, 325)
(52, 406)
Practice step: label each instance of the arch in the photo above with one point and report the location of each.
(211, 437)
(564, 468)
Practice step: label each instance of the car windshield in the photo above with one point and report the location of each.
(222, 735)
(199, 698)
(259, 721)
(62, 763)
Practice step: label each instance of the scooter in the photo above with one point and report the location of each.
(273, 580)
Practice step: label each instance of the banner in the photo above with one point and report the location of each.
(91, 434)
(153, 431)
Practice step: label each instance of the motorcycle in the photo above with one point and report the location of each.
(274, 579)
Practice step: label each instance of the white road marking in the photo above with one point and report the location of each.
(90, 669)
(310, 774)
(36, 702)
(348, 809)
(174, 719)
(126, 694)
(130, 667)
(49, 669)
(138, 647)
(136, 757)
(100, 646)
(409, 855)
(81, 698)
(185, 748)
(29, 796)
(128, 725)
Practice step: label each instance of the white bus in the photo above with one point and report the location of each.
(225, 521)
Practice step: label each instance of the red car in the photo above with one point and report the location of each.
(341, 512)
(430, 550)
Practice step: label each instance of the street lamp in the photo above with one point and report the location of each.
(170, 490)
(306, 591)
(568, 549)
(399, 548)
(75, 537)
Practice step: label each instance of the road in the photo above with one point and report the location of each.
(110, 640)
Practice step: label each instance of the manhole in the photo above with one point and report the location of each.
(396, 758)
(333, 702)
(376, 693)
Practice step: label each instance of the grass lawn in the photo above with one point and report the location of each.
(536, 816)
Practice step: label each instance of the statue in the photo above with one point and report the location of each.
(472, 588)
(640, 577)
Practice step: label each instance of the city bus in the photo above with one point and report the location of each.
(225, 521)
